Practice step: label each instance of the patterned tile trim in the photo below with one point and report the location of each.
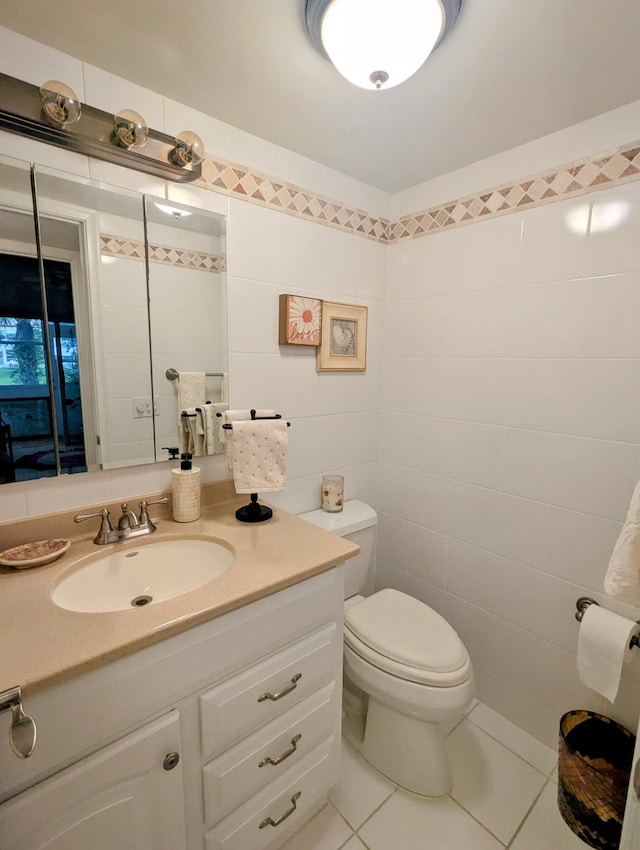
(114, 246)
(597, 172)
(229, 178)
(570, 180)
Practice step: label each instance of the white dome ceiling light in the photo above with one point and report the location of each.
(378, 44)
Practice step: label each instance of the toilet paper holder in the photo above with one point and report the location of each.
(583, 603)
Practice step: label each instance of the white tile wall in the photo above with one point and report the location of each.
(518, 412)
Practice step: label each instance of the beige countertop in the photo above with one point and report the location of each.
(43, 645)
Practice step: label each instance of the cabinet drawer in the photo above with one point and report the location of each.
(240, 704)
(242, 771)
(288, 802)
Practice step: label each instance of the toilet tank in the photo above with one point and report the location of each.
(357, 522)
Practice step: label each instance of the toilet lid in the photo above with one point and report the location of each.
(409, 634)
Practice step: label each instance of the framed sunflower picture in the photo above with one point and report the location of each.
(343, 343)
(300, 320)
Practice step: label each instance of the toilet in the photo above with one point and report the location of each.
(408, 676)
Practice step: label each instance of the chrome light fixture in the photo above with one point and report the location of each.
(53, 114)
(378, 44)
(189, 149)
(131, 129)
(60, 104)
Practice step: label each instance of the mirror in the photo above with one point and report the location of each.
(24, 409)
(187, 309)
(83, 356)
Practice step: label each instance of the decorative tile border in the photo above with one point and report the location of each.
(569, 180)
(236, 180)
(130, 249)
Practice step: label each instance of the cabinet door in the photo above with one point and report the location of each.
(120, 797)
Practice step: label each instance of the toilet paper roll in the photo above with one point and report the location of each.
(603, 647)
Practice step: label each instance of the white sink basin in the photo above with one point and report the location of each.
(143, 575)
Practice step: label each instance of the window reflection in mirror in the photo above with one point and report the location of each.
(26, 395)
(27, 409)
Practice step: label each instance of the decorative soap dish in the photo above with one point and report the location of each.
(34, 554)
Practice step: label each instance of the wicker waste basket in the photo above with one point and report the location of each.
(594, 766)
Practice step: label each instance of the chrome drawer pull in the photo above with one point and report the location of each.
(22, 732)
(280, 694)
(285, 755)
(278, 821)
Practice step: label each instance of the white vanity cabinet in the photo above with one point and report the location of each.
(250, 702)
(121, 796)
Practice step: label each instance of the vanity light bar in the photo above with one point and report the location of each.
(92, 134)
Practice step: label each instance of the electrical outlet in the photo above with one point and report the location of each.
(142, 408)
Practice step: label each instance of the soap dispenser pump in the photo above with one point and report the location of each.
(185, 489)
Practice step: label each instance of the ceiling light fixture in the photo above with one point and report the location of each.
(378, 44)
(172, 211)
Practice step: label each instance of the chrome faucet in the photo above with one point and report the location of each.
(128, 518)
(129, 525)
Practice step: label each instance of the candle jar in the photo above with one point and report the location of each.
(332, 493)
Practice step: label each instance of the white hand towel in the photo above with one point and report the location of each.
(201, 432)
(190, 395)
(259, 450)
(188, 430)
(230, 416)
(622, 580)
(214, 440)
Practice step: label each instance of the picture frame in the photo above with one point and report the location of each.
(343, 338)
(299, 320)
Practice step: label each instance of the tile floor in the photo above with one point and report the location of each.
(504, 795)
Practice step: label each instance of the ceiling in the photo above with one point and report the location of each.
(510, 71)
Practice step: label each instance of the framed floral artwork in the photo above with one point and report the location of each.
(300, 320)
(343, 338)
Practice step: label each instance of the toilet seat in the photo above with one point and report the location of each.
(406, 638)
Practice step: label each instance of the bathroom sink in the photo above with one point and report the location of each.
(142, 575)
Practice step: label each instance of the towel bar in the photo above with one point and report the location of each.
(254, 511)
(174, 375)
(584, 602)
(228, 425)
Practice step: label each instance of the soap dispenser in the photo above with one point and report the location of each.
(185, 489)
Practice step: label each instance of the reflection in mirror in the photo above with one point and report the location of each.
(75, 361)
(188, 318)
(110, 299)
(76, 364)
(26, 425)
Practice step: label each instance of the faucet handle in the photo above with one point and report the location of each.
(105, 524)
(143, 505)
(104, 513)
